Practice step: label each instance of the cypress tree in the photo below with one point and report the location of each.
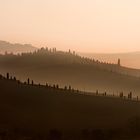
(65, 87)
(119, 62)
(121, 94)
(96, 92)
(46, 84)
(57, 86)
(130, 95)
(69, 87)
(72, 89)
(0, 76)
(28, 81)
(7, 76)
(54, 86)
(32, 82)
(15, 78)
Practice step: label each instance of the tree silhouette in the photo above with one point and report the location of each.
(96, 92)
(121, 94)
(72, 90)
(65, 88)
(0, 76)
(57, 86)
(7, 75)
(32, 82)
(47, 85)
(130, 95)
(15, 78)
(28, 81)
(119, 62)
(47, 49)
(69, 87)
(54, 86)
(18, 81)
(6, 53)
(77, 91)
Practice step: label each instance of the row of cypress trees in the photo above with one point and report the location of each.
(69, 88)
(31, 82)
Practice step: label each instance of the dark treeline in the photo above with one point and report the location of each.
(65, 57)
(69, 88)
(31, 82)
(70, 57)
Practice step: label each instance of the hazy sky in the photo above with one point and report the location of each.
(82, 25)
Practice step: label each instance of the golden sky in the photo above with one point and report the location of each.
(81, 25)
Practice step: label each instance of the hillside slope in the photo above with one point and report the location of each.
(127, 59)
(70, 69)
(36, 110)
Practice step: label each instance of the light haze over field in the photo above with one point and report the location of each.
(103, 26)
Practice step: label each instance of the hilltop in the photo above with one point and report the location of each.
(7, 47)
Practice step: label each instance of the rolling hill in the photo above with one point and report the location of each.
(6, 47)
(68, 68)
(34, 111)
(127, 59)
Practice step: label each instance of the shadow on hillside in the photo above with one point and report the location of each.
(85, 134)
